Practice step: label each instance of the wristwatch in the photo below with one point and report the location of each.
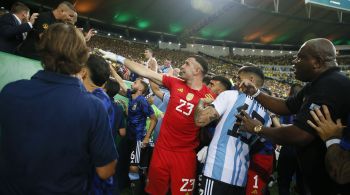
(258, 129)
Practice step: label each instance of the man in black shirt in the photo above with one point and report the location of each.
(315, 63)
(64, 12)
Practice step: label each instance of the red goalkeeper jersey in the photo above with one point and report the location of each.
(178, 131)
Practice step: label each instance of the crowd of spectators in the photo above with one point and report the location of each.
(265, 60)
(279, 77)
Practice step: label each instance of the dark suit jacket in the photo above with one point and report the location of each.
(11, 33)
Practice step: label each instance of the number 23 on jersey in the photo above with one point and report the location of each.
(185, 107)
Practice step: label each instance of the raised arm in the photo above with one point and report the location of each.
(204, 115)
(152, 124)
(274, 104)
(123, 87)
(156, 90)
(134, 67)
(289, 134)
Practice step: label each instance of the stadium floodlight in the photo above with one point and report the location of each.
(290, 52)
(179, 44)
(159, 41)
(233, 49)
(169, 43)
(134, 39)
(109, 34)
(120, 36)
(146, 41)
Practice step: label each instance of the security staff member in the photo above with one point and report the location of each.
(65, 12)
(314, 63)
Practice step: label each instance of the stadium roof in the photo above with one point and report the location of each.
(255, 21)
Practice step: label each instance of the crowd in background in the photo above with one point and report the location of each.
(281, 78)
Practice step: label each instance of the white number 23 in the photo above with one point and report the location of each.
(189, 107)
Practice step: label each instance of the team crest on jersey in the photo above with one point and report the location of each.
(134, 107)
(255, 191)
(189, 96)
(180, 90)
(208, 95)
(45, 26)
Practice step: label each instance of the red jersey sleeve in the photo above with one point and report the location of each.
(169, 81)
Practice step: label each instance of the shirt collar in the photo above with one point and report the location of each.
(18, 20)
(57, 78)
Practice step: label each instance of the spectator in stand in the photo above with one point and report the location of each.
(14, 27)
(45, 142)
(166, 67)
(64, 12)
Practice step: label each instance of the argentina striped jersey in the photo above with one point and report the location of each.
(228, 153)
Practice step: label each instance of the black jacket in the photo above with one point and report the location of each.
(11, 33)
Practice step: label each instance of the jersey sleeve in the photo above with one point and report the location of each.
(221, 102)
(169, 81)
(101, 142)
(146, 108)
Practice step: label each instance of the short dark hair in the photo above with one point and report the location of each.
(99, 69)
(206, 80)
(150, 50)
(254, 70)
(63, 49)
(224, 81)
(18, 7)
(201, 60)
(112, 87)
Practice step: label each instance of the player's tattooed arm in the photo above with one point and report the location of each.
(203, 115)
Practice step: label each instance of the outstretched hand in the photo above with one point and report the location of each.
(108, 55)
(247, 123)
(325, 126)
(33, 17)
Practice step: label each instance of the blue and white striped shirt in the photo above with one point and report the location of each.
(228, 153)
